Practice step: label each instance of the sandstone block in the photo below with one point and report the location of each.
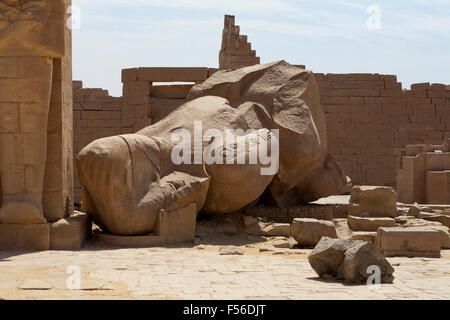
(8, 67)
(410, 242)
(171, 91)
(129, 75)
(308, 232)
(374, 201)
(438, 183)
(257, 227)
(34, 237)
(443, 219)
(176, 226)
(70, 233)
(364, 236)
(414, 210)
(410, 222)
(369, 224)
(420, 86)
(231, 251)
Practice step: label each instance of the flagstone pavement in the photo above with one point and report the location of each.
(200, 272)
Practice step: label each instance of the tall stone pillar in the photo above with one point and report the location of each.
(36, 171)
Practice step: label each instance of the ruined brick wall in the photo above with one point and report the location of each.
(236, 51)
(98, 115)
(95, 115)
(371, 119)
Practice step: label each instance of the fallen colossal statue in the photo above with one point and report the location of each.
(275, 150)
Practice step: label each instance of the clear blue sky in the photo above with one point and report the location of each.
(329, 36)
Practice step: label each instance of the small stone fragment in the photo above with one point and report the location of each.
(35, 285)
(308, 232)
(230, 251)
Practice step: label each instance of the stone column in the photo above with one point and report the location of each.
(36, 173)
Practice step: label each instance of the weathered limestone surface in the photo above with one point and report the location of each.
(140, 172)
(348, 260)
(308, 232)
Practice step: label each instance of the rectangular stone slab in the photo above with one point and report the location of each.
(171, 91)
(369, 224)
(34, 237)
(172, 74)
(410, 242)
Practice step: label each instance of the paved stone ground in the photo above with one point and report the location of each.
(200, 272)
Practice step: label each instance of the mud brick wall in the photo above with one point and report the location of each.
(371, 119)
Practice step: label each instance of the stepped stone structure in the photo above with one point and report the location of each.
(425, 174)
(236, 51)
(35, 122)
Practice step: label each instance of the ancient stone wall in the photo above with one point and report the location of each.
(150, 95)
(95, 115)
(58, 186)
(371, 119)
(98, 115)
